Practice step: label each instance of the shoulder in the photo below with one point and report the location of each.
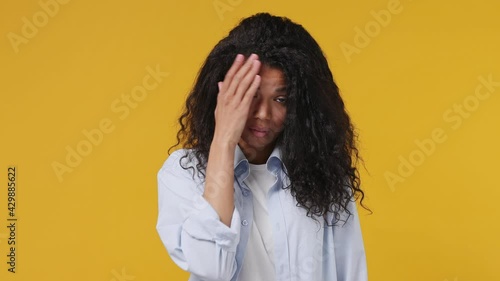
(177, 180)
(173, 160)
(181, 163)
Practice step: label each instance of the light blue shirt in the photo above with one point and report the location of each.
(198, 242)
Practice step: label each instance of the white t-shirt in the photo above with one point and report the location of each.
(258, 263)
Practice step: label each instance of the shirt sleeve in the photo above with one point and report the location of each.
(350, 255)
(189, 227)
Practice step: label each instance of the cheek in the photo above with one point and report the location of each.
(279, 118)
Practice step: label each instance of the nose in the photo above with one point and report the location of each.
(261, 109)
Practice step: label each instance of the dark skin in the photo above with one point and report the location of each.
(250, 112)
(233, 104)
(266, 116)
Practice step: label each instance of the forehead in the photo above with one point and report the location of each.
(271, 78)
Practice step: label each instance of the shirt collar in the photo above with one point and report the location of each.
(241, 167)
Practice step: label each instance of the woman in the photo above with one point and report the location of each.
(266, 184)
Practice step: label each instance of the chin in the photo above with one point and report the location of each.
(255, 143)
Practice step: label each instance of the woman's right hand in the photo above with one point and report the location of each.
(234, 99)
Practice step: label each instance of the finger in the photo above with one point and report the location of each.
(244, 84)
(240, 74)
(251, 91)
(238, 61)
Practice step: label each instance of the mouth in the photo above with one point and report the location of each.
(259, 132)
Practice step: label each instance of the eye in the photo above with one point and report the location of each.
(281, 99)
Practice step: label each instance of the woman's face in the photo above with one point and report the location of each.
(266, 116)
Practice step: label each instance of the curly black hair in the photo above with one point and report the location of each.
(319, 142)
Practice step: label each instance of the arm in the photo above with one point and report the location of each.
(233, 102)
(197, 221)
(190, 228)
(349, 248)
(219, 190)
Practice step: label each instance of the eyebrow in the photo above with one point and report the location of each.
(278, 90)
(281, 89)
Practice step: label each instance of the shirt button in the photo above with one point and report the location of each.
(244, 222)
(245, 193)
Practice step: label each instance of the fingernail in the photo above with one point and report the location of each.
(239, 57)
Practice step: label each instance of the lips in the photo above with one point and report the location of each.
(259, 132)
(258, 129)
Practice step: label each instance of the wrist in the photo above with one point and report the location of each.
(223, 143)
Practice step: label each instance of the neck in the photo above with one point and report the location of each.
(254, 155)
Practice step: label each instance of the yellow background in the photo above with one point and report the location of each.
(98, 222)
